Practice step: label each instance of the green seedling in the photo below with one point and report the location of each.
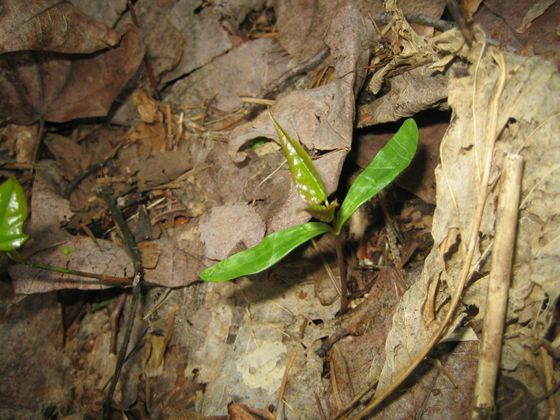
(391, 161)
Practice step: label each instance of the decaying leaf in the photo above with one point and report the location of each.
(51, 25)
(58, 87)
(302, 25)
(107, 12)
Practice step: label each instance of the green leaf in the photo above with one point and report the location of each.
(304, 174)
(13, 212)
(391, 160)
(272, 249)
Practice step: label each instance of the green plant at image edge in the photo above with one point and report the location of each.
(13, 213)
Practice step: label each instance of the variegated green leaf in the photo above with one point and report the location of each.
(13, 212)
(268, 252)
(306, 178)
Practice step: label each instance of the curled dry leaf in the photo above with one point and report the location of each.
(51, 25)
(60, 87)
(528, 114)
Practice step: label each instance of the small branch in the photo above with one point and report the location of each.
(320, 407)
(137, 287)
(104, 278)
(283, 385)
(498, 287)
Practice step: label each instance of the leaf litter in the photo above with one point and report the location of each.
(207, 193)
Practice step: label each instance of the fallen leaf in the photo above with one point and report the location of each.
(108, 12)
(58, 87)
(203, 35)
(528, 117)
(537, 39)
(246, 70)
(227, 226)
(51, 25)
(302, 25)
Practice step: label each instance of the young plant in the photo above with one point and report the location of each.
(391, 160)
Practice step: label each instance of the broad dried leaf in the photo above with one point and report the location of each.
(60, 88)
(13, 212)
(391, 160)
(264, 255)
(51, 25)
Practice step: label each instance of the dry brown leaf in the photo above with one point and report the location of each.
(108, 12)
(227, 226)
(32, 363)
(302, 25)
(51, 25)
(408, 94)
(59, 87)
(321, 118)
(245, 71)
(540, 38)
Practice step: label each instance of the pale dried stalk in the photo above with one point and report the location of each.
(498, 287)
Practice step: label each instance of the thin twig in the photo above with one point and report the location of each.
(137, 287)
(104, 278)
(320, 407)
(284, 383)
